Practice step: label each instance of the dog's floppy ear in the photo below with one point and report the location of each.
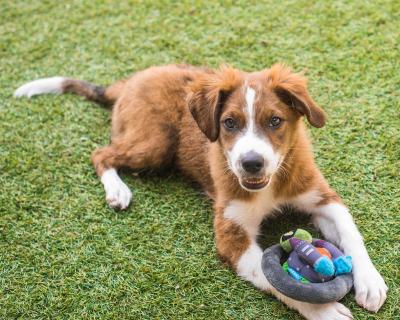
(206, 97)
(291, 88)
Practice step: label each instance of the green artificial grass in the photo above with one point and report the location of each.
(65, 255)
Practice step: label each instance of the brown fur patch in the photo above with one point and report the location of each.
(207, 96)
(292, 90)
(327, 194)
(85, 89)
(231, 240)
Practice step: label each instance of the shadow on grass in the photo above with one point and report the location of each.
(281, 222)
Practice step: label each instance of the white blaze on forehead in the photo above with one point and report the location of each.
(250, 97)
(250, 141)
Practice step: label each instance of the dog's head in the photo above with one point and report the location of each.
(254, 117)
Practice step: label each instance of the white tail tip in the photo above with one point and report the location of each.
(40, 86)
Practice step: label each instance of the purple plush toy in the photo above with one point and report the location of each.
(306, 262)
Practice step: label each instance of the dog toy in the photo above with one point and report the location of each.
(311, 286)
(313, 260)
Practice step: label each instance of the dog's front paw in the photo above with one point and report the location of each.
(119, 196)
(370, 288)
(327, 311)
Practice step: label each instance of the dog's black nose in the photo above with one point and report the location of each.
(252, 162)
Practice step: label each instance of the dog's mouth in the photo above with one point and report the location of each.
(255, 183)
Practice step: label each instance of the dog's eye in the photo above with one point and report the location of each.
(275, 122)
(230, 124)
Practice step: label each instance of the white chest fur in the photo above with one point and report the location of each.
(249, 214)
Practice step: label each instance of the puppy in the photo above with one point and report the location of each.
(241, 137)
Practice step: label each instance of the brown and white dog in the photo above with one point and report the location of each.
(241, 137)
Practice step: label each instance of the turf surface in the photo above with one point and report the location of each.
(65, 255)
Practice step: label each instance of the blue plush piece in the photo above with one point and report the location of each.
(342, 265)
(294, 274)
(324, 266)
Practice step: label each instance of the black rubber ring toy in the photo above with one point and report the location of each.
(329, 291)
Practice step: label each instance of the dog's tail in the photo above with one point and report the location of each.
(58, 85)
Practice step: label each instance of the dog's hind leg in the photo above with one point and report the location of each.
(134, 152)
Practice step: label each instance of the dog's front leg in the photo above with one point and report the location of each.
(235, 233)
(337, 225)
